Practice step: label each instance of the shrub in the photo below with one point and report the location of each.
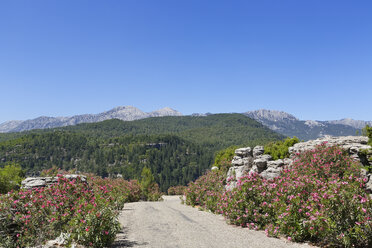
(279, 149)
(369, 135)
(11, 177)
(54, 171)
(150, 189)
(120, 190)
(86, 214)
(321, 199)
(224, 156)
(206, 190)
(176, 190)
(368, 132)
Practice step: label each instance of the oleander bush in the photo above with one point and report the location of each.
(320, 198)
(176, 190)
(85, 213)
(207, 190)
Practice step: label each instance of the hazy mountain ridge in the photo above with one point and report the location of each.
(351, 122)
(289, 125)
(279, 121)
(125, 113)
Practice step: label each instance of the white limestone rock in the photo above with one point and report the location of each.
(275, 163)
(35, 182)
(237, 161)
(258, 150)
(271, 173)
(244, 152)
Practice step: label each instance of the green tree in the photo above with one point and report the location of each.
(223, 158)
(11, 177)
(368, 131)
(147, 182)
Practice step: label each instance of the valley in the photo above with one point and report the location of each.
(177, 149)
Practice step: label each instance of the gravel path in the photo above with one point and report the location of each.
(171, 224)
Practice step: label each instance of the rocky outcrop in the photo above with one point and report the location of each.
(355, 145)
(36, 182)
(248, 160)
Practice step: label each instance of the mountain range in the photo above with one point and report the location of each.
(125, 113)
(279, 121)
(289, 125)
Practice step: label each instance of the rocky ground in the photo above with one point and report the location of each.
(170, 224)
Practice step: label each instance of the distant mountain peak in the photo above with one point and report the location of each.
(270, 115)
(351, 122)
(125, 113)
(167, 111)
(289, 125)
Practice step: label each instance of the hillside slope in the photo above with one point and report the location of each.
(177, 149)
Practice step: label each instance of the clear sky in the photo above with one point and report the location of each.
(311, 58)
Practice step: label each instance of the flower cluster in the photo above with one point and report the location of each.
(86, 213)
(206, 191)
(320, 198)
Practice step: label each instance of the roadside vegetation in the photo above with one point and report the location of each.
(320, 199)
(11, 177)
(83, 213)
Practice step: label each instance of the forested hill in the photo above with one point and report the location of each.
(219, 130)
(177, 149)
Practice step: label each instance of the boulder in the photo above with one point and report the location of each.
(35, 182)
(288, 162)
(254, 169)
(271, 173)
(75, 176)
(258, 150)
(244, 152)
(241, 171)
(236, 172)
(275, 164)
(261, 162)
(248, 161)
(237, 161)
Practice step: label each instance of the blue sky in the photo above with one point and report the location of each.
(312, 59)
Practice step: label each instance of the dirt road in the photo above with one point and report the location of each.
(171, 224)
